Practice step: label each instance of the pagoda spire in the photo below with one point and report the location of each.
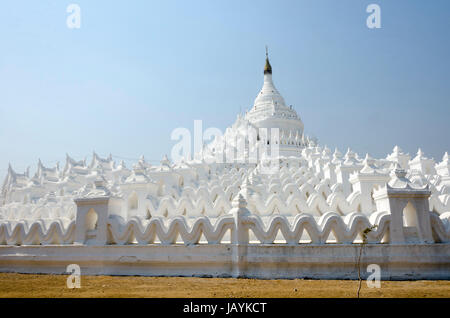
(267, 67)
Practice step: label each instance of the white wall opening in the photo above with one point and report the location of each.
(91, 220)
(133, 201)
(409, 215)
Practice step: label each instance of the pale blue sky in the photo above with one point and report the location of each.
(138, 69)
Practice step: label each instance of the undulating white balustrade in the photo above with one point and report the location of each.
(37, 233)
(180, 229)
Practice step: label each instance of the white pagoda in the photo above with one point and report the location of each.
(313, 198)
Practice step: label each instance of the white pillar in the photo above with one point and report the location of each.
(343, 174)
(364, 182)
(394, 198)
(91, 221)
(329, 172)
(239, 235)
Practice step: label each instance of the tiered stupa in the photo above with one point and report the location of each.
(270, 111)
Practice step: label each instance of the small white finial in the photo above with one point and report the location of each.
(398, 171)
(419, 153)
(239, 201)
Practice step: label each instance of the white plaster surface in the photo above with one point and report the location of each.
(233, 219)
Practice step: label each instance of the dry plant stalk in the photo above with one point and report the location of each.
(364, 241)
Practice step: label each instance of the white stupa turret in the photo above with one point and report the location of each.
(270, 111)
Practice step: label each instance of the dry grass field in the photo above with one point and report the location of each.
(28, 285)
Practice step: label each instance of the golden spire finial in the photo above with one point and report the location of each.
(267, 67)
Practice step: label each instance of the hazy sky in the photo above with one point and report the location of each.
(136, 70)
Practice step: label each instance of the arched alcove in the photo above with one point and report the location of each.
(91, 220)
(133, 201)
(409, 215)
(160, 190)
(181, 181)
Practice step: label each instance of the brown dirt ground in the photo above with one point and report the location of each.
(28, 285)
